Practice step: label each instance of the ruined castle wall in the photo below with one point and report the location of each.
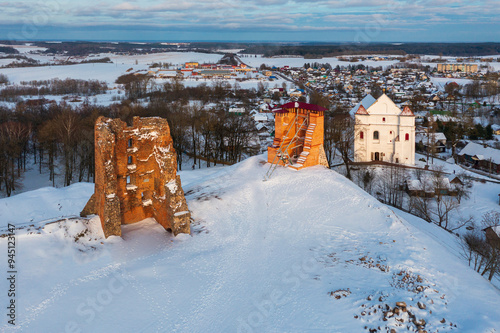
(106, 180)
(136, 175)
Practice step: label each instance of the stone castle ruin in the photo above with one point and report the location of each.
(136, 176)
(298, 136)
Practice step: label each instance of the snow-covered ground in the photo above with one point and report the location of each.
(440, 82)
(483, 197)
(108, 72)
(46, 203)
(26, 48)
(247, 84)
(122, 64)
(257, 60)
(306, 251)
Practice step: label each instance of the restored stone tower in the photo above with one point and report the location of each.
(298, 136)
(136, 176)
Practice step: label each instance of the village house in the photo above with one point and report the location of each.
(216, 74)
(429, 187)
(296, 93)
(493, 236)
(431, 142)
(384, 132)
(480, 157)
(191, 65)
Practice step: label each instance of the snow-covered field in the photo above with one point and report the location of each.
(108, 72)
(122, 64)
(26, 48)
(101, 72)
(306, 251)
(257, 60)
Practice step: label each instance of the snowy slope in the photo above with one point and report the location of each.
(46, 203)
(306, 251)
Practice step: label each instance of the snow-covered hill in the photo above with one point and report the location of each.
(306, 251)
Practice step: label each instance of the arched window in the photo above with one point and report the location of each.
(375, 135)
(361, 135)
(407, 137)
(383, 119)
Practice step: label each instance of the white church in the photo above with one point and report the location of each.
(383, 132)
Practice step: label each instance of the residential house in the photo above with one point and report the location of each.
(493, 236)
(480, 157)
(430, 186)
(431, 142)
(191, 65)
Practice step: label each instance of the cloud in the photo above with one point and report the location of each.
(272, 16)
(166, 6)
(125, 6)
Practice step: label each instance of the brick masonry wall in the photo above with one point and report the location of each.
(136, 176)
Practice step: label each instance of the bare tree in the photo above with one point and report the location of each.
(475, 249)
(433, 202)
(339, 134)
(442, 209)
(483, 254)
(463, 189)
(390, 184)
(13, 141)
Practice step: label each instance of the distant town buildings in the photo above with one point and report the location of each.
(465, 68)
(384, 132)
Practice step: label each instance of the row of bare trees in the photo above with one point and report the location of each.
(14, 137)
(59, 138)
(207, 133)
(339, 136)
(54, 87)
(54, 137)
(440, 208)
(436, 201)
(143, 86)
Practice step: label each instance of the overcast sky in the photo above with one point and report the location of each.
(253, 20)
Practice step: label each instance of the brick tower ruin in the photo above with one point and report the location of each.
(298, 136)
(136, 176)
